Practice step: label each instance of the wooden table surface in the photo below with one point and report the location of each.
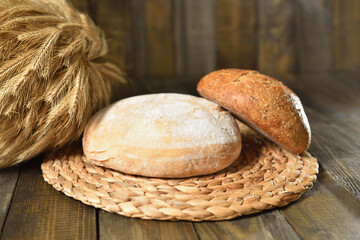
(32, 209)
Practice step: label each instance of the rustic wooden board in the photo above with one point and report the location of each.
(334, 122)
(314, 24)
(114, 18)
(277, 45)
(236, 34)
(338, 150)
(81, 5)
(267, 225)
(344, 86)
(160, 41)
(194, 36)
(342, 104)
(138, 38)
(112, 226)
(38, 211)
(326, 212)
(151, 39)
(346, 35)
(159, 36)
(188, 38)
(335, 96)
(8, 180)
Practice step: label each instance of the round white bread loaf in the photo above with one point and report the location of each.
(163, 135)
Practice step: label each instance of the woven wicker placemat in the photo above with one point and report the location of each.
(265, 176)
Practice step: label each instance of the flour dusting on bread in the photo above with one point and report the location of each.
(163, 135)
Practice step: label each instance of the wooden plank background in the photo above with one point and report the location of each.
(168, 45)
(38, 211)
(161, 41)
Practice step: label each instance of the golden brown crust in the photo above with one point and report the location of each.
(262, 102)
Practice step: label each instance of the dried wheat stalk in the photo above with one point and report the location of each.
(49, 83)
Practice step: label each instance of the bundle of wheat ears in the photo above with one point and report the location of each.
(49, 82)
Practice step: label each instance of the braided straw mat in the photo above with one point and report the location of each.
(265, 176)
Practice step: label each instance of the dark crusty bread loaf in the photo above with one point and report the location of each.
(262, 102)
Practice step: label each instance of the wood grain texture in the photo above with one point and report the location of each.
(325, 212)
(81, 5)
(339, 153)
(138, 38)
(114, 18)
(152, 39)
(112, 226)
(276, 38)
(335, 96)
(159, 36)
(38, 211)
(344, 101)
(160, 39)
(333, 116)
(236, 34)
(194, 36)
(267, 225)
(346, 24)
(8, 180)
(313, 35)
(117, 30)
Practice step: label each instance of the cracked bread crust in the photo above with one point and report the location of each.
(263, 103)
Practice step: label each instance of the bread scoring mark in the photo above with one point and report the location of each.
(243, 74)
